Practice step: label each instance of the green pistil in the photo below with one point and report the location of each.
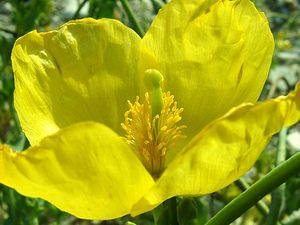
(153, 79)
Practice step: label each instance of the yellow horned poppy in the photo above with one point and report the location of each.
(119, 123)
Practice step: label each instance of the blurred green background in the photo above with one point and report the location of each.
(18, 17)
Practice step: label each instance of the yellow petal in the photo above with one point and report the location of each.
(224, 150)
(214, 55)
(85, 169)
(86, 70)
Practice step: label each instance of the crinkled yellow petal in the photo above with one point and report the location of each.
(224, 150)
(85, 169)
(214, 55)
(86, 70)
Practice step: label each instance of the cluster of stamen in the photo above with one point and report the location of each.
(152, 136)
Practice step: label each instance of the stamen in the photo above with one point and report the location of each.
(152, 137)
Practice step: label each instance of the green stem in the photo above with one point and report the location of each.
(172, 211)
(136, 25)
(76, 14)
(265, 185)
(157, 5)
(8, 31)
(281, 153)
(211, 203)
(260, 206)
(279, 193)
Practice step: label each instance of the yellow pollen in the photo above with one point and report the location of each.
(152, 137)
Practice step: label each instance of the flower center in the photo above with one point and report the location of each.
(152, 127)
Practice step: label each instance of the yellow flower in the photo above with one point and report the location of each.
(72, 88)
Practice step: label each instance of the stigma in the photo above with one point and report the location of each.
(151, 128)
